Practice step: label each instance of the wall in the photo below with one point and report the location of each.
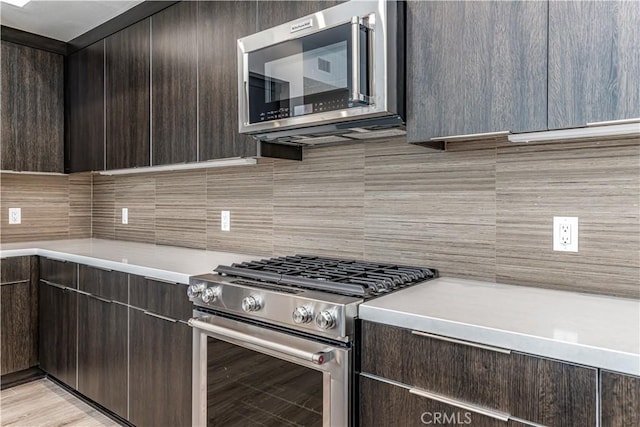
(479, 210)
(53, 206)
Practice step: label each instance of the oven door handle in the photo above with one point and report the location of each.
(319, 358)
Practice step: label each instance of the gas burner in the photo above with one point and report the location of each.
(339, 276)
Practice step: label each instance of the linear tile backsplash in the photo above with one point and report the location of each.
(479, 210)
(53, 206)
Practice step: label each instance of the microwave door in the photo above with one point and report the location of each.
(318, 73)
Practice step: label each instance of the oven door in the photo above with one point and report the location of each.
(245, 374)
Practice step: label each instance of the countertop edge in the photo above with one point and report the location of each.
(603, 358)
(153, 273)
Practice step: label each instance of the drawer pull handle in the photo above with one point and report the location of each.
(55, 285)
(168, 319)
(502, 416)
(108, 301)
(155, 279)
(108, 270)
(467, 343)
(15, 282)
(614, 122)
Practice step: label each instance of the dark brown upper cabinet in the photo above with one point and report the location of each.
(475, 67)
(220, 24)
(127, 83)
(594, 62)
(272, 13)
(32, 111)
(85, 108)
(174, 94)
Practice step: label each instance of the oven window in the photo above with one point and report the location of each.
(247, 388)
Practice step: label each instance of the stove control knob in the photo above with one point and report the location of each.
(302, 315)
(325, 320)
(210, 295)
(250, 304)
(194, 291)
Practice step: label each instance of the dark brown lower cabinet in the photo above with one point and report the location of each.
(619, 400)
(58, 332)
(159, 371)
(18, 315)
(552, 393)
(384, 404)
(102, 352)
(529, 388)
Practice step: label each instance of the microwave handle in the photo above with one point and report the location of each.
(319, 358)
(246, 102)
(356, 95)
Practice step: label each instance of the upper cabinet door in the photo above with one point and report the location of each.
(594, 62)
(85, 108)
(127, 96)
(475, 67)
(272, 13)
(174, 91)
(220, 24)
(32, 111)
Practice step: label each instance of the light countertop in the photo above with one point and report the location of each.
(585, 329)
(170, 263)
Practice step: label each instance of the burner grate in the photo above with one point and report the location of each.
(345, 277)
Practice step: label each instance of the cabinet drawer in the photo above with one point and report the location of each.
(530, 388)
(108, 284)
(15, 269)
(467, 373)
(384, 404)
(164, 298)
(552, 393)
(59, 272)
(620, 399)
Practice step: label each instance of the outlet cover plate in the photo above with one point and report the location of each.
(565, 233)
(15, 215)
(225, 220)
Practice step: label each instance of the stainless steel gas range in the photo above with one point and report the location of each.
(274, 339)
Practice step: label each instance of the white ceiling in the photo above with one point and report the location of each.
(62, 20)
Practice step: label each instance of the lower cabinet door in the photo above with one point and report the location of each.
(384, 404)
(102, 352)
(18, 317)
(620, 400)
(58, 332)
(160, 371)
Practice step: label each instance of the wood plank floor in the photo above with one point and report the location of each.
(43, 403)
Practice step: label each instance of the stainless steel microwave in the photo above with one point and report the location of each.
(336, 75)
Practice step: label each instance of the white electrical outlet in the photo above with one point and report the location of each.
(565, 233)
(225, 220)
(125, 215)
(15, 215)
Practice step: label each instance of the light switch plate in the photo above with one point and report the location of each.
(125, 215)
(565, 233)
(15, 215)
